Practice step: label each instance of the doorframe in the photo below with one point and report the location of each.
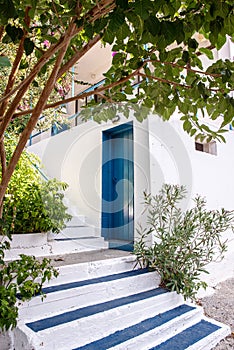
(106, 154)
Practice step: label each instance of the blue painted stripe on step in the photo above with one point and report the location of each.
(188, 337)
(107, 278)
(126, 334)
(82, 283)
(70, 316)
(73, 239)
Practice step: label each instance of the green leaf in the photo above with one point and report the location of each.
(207, 52)
(187, 125)
(4, 61)
(221, 41)
(193, 132)
(15, 33)
(192, 43)
(152, 24)
(100, 24)
(185, 56)
(7, 11)
(108, 36)
(89, 30)
(123, 32)
(28, 46)
(141, 9)
(117, 18)
(122, 3)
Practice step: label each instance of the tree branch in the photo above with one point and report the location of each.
(164, 80)
(3, 157)
(84, 94)
(1, 32)
(78, 55)
(174, 83)
(25, 85)
(35, 115)
(59, 19)
(104, 97)
(92, 16)
(16, 64)
(186, 68)
(3, 168)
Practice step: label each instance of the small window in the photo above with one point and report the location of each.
(210, 147)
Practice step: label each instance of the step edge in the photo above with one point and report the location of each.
(210, 341)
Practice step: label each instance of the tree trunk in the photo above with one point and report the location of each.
(35, 116)
(16, 64)
(103, 7)
(3, 167)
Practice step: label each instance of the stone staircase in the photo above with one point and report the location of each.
(111, 304)
(78, 236)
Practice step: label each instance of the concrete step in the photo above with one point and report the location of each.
(146, 331)
(69, 296)
(60, 246)
(78, 220)
(121, 320)
(203, 335)
(82, 244)
(74, 232)
(108, 305)
(93, 269)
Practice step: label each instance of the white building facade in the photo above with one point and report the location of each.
(108, 166)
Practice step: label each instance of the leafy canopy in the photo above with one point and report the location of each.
(153, 40)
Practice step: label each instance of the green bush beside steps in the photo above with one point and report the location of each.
(183, 242)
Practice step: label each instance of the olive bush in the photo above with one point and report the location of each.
(183, 242)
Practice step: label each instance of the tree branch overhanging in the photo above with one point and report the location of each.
(84, 95)
(3, 157)
(35, 115)
(162, 80)
(185, 68)
(91, 16)
(15, 65)
(25, 85)
(44, 59)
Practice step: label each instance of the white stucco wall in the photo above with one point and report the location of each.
(75, 156)
(173, 159)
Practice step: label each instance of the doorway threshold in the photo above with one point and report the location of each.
(121, 245)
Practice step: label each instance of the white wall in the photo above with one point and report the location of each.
(174, 160)
(75, 156)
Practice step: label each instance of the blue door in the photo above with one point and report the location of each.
(118, 187)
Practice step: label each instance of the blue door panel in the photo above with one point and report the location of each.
(118, 184)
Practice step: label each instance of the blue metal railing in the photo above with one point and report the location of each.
(55, 129)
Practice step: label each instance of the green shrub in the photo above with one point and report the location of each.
(32, 204)
(39, 208)
(25, 276)
(183, 242)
